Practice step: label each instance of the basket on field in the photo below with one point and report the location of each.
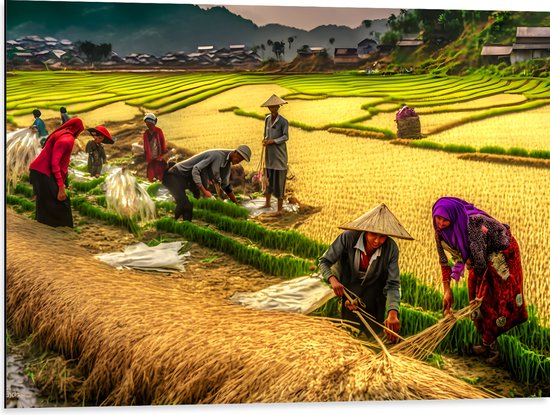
(408, 123)
(408, 127)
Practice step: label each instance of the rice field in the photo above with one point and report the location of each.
(345, 176)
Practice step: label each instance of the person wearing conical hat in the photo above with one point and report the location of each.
(276, 155)
(363, 260)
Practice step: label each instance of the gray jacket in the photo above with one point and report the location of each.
(276, 156)
(208, 165)
(382, 274)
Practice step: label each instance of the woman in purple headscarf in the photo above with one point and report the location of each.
(486, 247)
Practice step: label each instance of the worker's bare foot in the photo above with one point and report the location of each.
(265, 207)
(276, 213)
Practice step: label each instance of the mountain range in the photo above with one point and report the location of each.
(161, 28)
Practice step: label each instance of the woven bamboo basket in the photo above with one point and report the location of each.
(408, 127)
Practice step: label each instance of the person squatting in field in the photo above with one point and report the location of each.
(489, 251)
(48, 175)
(364, 260)
(154, 146)
(39, 127)
(196, 172)
(95, 150)
(276, 155)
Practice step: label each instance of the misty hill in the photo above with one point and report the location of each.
(161, 28)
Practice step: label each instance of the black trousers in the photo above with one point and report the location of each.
(49, 210)
(375, 305)
(177, 184)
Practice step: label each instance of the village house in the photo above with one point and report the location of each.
(366, 47)
(495, 54)
(345, 55)
(531, 43)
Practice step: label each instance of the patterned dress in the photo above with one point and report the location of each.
(96, 157)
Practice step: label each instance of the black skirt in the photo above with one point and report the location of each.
(49, 210)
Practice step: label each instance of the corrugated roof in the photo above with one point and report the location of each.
(531, 46)
(409, 42)
(541, 31)
(496, 50)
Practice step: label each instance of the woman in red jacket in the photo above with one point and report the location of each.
(154, 147)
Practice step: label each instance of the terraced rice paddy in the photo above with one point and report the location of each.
(345, 176)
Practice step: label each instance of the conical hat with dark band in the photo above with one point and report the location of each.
(379, 220)
(273, 100)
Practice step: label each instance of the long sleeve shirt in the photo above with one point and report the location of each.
(154, 144)
(486, 235)
(41, 127)
(343, 260)
(276, 155)
(55, 157)
(208, 165)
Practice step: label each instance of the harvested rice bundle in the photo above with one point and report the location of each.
(125, 196)
(423, 344)
(146, 340)
(22, 147)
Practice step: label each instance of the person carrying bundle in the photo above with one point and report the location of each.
(489, 251)
(154, 146)
(39, 127)
(196, 172)
(363, 260)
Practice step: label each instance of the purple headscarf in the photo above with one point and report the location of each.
(457, 211)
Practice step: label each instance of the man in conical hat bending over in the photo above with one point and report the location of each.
(363, 260)
(276, 156)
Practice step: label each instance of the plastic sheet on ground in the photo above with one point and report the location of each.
(164, 257)
(80, 159)
(298, 295)
(22, 147)
(254, 206)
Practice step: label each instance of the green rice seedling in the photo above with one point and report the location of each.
(330, 309)
(22, 147)
(426, 144)
(86, 186)
(24, 190)
(540, 154)
(492, 150)
(417, 294)
(22, 202)
(88, 209)
(527, 366)
(517, 152)
(458, 148)
(153, 188)
(228, 209)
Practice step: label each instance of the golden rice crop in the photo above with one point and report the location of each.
(116, 112)
(477, 104)
(527, 129)
(144, 339)
(346, 176)
(27, 120)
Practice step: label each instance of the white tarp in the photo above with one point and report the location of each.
(22, 147)
(254, 206)
(298, 295)
(164, 257)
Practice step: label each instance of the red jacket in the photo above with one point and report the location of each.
(157, 135)
(56, 154)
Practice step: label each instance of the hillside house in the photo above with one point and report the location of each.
(366, 47)
(409, 43)
(531, 43)
(236, 48)
(495, 54)
(205, 49)
(317, 50)
(345, 55)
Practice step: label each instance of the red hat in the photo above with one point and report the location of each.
(107, 139)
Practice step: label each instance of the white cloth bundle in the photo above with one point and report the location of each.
(298, 295)
(165, 257)
(22, 147)
(255, 206)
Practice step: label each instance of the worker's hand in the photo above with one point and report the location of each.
(206, 193)
(61, 195)
(392, 323)
(337, 286)
(268, 142)
(351, 305)
(447, 301)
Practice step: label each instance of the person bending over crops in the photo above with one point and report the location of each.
(39, 127)
(64, 116)
(48, 175)
(489, 251)
(196, 172)
(276, 155)
(95, 150)
(363, 260)
(154, 146)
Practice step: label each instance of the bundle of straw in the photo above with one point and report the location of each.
(22, 147)
(125, 196)
(140, 339)
(423, 344)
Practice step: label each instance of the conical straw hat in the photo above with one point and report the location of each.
(379, 220)
(273, 100)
